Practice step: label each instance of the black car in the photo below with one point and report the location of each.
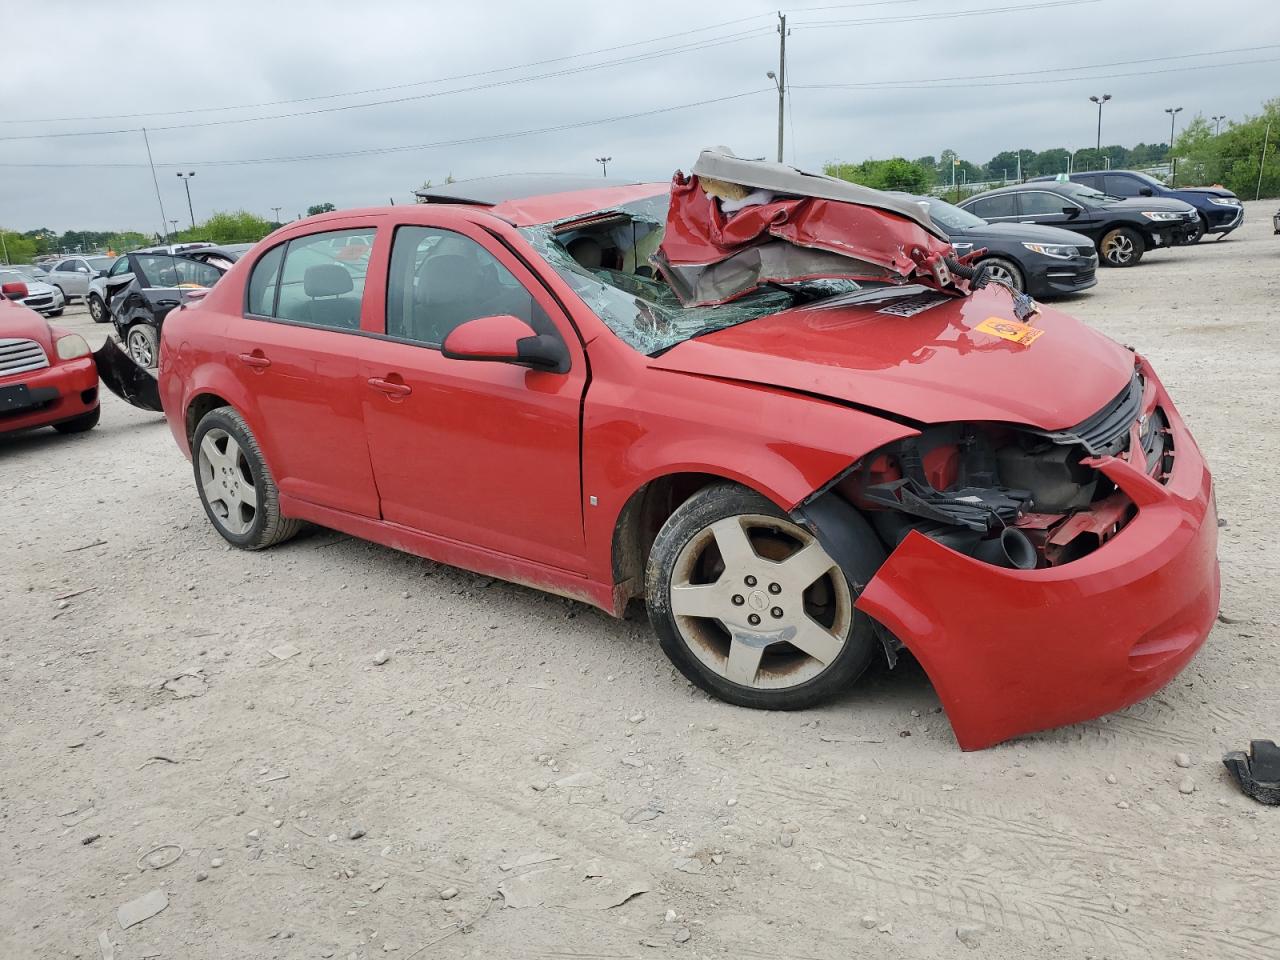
(141, 294)
(1040, 261)
(1220, 210)
(1122, 230)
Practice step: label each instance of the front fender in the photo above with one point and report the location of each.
(782, 444)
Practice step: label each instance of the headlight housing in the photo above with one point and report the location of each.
(1225, 201)
(1062, 251)
(1163, 215)
(71, 346)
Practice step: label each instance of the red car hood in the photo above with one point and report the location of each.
(935, 366)
(20, 323)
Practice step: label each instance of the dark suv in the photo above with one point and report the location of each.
(1220, 210)
(1122, 230)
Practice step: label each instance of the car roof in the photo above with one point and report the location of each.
(491, 191)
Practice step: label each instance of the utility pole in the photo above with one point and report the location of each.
(186, 182)
(1019, 166)
(780, 78)
(1266, 138)
(1100, 101)
(277, 210)
(604, 165)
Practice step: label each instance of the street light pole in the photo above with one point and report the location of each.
(1100, 101)
(186, 182)
(174, 224)
(1173, 115)
(1217, 122)
(277, 212)
(604, 165)
(780, 80)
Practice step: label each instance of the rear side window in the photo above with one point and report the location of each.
(264, 281)
(991, 207)
(322, 278)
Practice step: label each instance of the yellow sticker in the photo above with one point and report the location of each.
(1022, 333)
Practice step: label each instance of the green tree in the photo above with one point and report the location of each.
(895, 173)
(239, 226)
(1233, 158)
(320, 208)
(16, 247)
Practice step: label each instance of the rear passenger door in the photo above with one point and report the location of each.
(295, 349)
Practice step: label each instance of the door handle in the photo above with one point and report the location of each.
(254, 360)
(390, 387)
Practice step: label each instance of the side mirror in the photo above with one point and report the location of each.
(1071, 211)
(506, 339)
(100, 274)
(1145, 192)
(14, 291)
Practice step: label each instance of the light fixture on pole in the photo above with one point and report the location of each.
(277, 210)
(604, 165)
(1217, 122)
(1100, 101)
(1173, 116)
(186, 182)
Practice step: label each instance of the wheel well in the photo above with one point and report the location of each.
(641, 519)
(198, 407)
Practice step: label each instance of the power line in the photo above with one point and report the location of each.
(1020, 8)
(371, 151)
(638, 58)
(928, 85)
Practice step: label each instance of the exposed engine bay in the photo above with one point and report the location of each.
(1012, 496)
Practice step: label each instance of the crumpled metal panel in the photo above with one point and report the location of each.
(870, 244)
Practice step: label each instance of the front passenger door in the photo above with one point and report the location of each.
(479, 452)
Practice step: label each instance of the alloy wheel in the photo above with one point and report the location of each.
(95, 309)
(999, 274)
(140, 349)
(759, 601)
(1118, 249)
(228, 484)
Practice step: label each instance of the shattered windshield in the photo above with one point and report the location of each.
(604, 257)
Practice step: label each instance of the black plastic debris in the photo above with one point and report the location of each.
(124, 378)
(1258, 773)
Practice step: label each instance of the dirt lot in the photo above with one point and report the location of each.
(325, 806)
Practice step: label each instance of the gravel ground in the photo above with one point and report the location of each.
(327, 806)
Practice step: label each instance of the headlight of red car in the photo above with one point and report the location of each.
(71, 346)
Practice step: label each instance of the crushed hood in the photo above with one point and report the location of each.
(736, 225)
(932, 366)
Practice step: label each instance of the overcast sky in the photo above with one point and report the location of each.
(82, 60)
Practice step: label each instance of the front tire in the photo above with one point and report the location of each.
(1121, 247)
(54, 313)
(236, 488)
(1005, 271)
(81, 424)
(750, 607)
(97, 309)
(143, 344)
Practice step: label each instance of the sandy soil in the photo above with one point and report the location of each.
(148, 710)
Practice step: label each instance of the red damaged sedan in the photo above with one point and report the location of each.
(776, 407)
(47, 375)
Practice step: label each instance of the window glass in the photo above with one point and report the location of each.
(98, 263)
(989, 208)
(1037, 204)
(1121, 186)
(1092, 180)
(322, 280)
(163, 271)
(67, 266)
(440, 279)
(119, 267)
(263, 282)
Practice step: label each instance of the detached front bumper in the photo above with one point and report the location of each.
(63, 391)
(1225, 219)
(1010, 652)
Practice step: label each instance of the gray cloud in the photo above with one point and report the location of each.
(148, 57)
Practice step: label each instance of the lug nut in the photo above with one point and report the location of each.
(776, 613)
(754, 620)
(751, 581)
(737, 600)
(775, 588)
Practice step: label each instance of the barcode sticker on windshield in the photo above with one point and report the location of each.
(910, 306)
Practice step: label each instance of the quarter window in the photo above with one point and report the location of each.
(440, 279)
(264, 281)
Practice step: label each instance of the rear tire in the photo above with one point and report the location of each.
(1121, 247)
(748, 605)
(236, 489)
(97, 309)
(80, 424)
(143, 345)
